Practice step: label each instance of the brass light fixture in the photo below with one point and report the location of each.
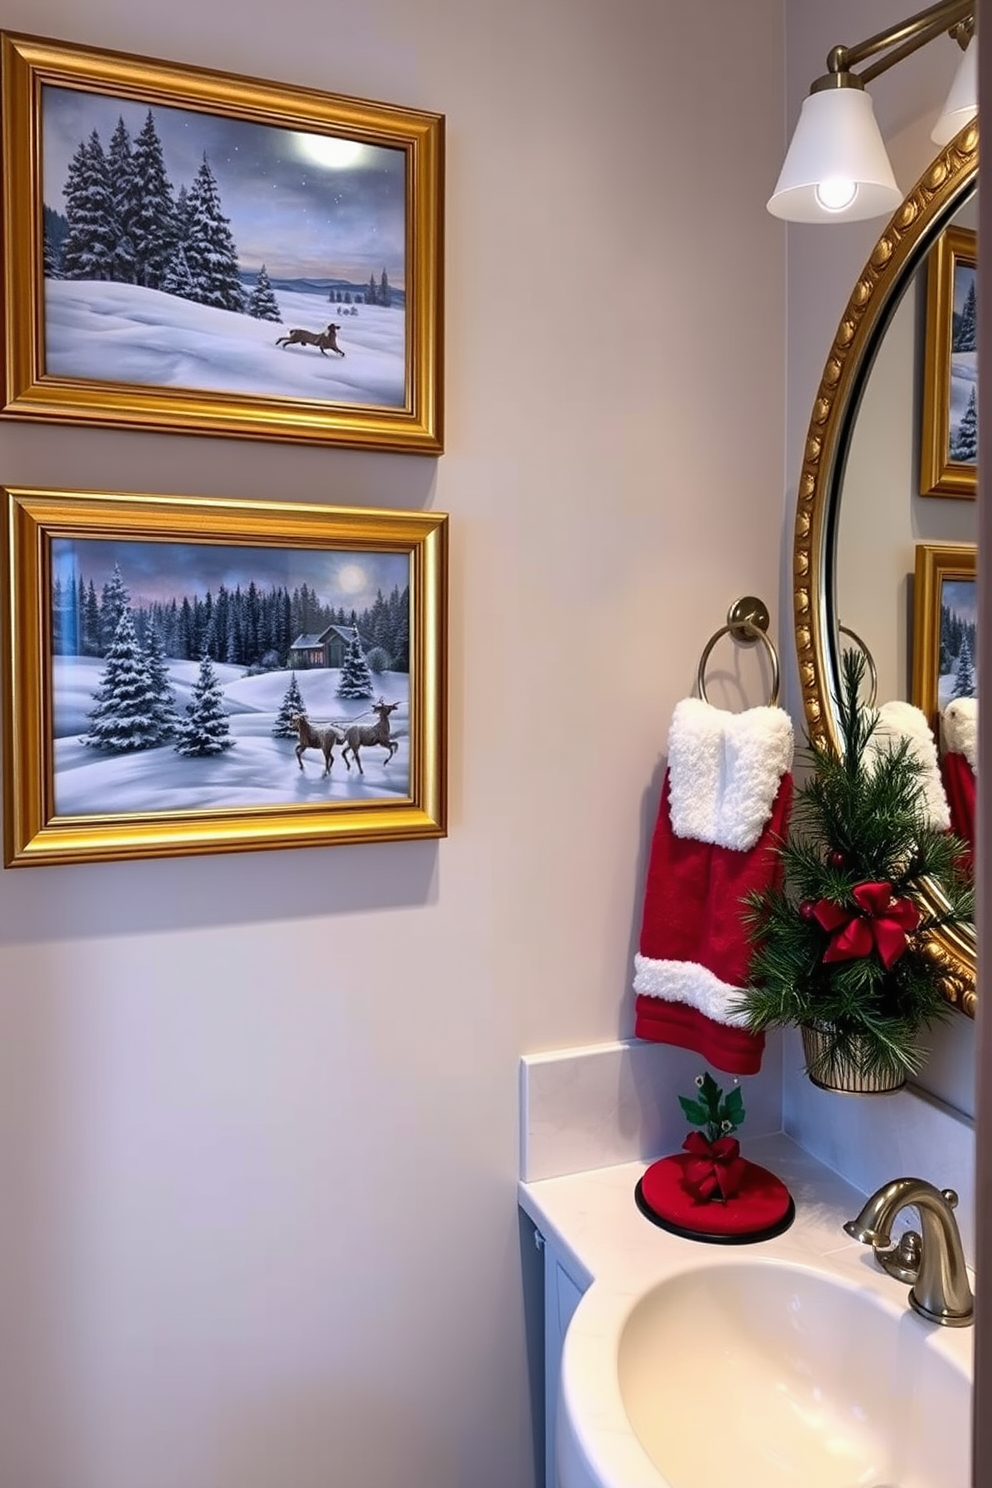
(837, 168)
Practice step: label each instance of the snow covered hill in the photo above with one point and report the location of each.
(258, 771)
(104, 331)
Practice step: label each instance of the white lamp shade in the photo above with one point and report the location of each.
(836, 155)
(962, 101)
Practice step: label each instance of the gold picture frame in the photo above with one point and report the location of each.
(949, 424)
(236, 618)
(328, 212)
(945, 596)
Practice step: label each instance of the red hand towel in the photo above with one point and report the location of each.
(724, 809)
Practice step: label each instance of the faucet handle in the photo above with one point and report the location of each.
(902, 1260)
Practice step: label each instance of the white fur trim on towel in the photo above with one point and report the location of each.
(960, 725)
(899, 720)
(724, 771)
(690, 983)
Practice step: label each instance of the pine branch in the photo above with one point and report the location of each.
(859, 818)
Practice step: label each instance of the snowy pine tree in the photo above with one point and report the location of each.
(385, 293)
(210, 250)
(182, 214)
(164, 718)
(207, 730)
(153, 225)
(356, 677)
(377, 622)
(60, 600)
(52, 259)
(964, 673)
(262, 303)
(292, 703)
(399, 635)
(54, 228)
(966, 330)
(88, 250)
(114, 600)
(124, 716)
(123, 199)
(91, 622)
(964, 440)
(177, 279)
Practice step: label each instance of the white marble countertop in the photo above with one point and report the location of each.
(614, 1254)
(593, 1221)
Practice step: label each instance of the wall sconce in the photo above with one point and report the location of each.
(837, 168)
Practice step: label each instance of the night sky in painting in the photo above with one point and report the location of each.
(165, 571)
(288, 207)
(960, 596)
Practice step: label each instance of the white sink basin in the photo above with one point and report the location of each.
(762, 1373)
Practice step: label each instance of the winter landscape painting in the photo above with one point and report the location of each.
(945, 626)
(284, 686)
(958, 650)
(962, 433)
(266, 265)
(949, 456)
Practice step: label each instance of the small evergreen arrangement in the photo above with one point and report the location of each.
(717, 1116)
(713, 1168)
(841, 945)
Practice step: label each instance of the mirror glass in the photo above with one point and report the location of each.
(882, 518)
(862, 526)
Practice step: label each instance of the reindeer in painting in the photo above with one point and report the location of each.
(323, 739)
(360, 734)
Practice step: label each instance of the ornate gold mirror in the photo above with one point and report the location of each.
(899, 256)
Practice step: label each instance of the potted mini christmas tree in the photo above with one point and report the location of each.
(840, 949)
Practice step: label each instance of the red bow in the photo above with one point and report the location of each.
(712, 1166)
(878, 920)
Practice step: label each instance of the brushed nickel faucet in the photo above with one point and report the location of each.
(933, 1261)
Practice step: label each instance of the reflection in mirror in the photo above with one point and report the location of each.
(859, 517)
(881, 518)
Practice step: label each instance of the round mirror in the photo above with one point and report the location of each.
(844, 517)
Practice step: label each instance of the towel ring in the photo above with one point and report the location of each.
(869, 661)
(747, 622)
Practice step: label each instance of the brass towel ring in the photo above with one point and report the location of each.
(747, 622)
(869, 661)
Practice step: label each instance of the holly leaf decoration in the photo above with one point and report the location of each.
(694, 1111)
(711, 1092)
(717, 1117)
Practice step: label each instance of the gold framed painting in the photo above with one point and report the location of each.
(190, 675)
(949, 424)
(945, 626)
(190, 251)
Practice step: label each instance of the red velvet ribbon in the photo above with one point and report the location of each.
(713, 1167)
(879, 920)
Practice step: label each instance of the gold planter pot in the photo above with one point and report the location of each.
(831, 1070)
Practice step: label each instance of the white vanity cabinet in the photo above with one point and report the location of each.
(562, 1294)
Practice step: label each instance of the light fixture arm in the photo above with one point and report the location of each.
(956, 17)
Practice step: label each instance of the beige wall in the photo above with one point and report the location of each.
(257, 1114)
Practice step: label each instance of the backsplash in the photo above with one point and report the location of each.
(603, 1104)
(870, 1139)
(600, 1104)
